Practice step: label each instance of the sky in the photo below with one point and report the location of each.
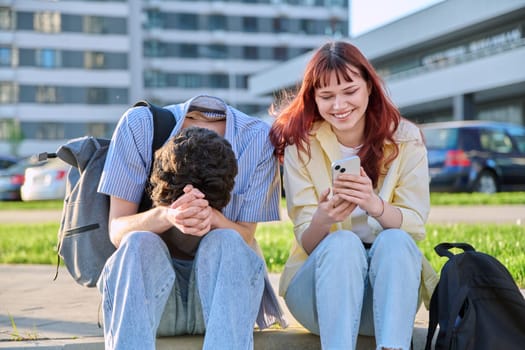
(370, 14)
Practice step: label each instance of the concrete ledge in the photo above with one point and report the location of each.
(294, 337)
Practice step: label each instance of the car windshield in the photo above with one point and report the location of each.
(436, 138)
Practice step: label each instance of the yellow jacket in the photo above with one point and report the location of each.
(404, 184)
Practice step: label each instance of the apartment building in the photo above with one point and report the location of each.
(456, 60)
(71, 68)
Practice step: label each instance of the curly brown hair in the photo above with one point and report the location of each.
(195, 156)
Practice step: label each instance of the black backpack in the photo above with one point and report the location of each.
(476, 303)
(83, 236)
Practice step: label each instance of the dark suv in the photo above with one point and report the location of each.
(475, 156)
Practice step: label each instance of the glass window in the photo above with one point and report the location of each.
(72, 59)
(153, 48)
(154, 79)
(249, 24)
(8, 92)
(518, 134)
(5, 56)
(189, 50)
(93, 25)
(217, 51)
(185, 21)
(6, 18)
(217, 22)
(250, 52)
(114, 60)
(49, 131)
(495, 141)
(97, 95)
(100, 129)
(436, 138)
(48, 58)
(280, 53)
(219, 81)
(46, 94)
(24, 20)
(94, 60)
(186, 80)
(47, 22)
(154, 19)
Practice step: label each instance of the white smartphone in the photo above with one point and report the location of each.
(350, 165)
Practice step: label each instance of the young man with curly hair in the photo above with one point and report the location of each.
(194, 158)
(224, 289)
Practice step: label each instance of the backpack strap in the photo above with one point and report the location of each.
(163, 124)
(433, 318)
(442, 249)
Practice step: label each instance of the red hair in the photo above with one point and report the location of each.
(295, 120)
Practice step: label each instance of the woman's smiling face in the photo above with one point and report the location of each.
(343, 105)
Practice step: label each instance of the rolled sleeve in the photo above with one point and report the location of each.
(129, 156)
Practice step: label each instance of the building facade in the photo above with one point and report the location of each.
(456, 60)
(71, 68)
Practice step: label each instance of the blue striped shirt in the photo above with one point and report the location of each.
(256, 194)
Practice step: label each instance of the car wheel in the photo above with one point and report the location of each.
(486, 183)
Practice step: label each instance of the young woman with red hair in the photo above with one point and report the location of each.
(355, 267)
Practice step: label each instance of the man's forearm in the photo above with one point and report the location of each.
(245, 229)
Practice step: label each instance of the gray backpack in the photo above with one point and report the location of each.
(83, 236)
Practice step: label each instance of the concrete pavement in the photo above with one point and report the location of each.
(60, 314)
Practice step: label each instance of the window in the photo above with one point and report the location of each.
(48, 58)
(94, 60)
(47, 22)
(8, 92)
(217, 22)
(5, 57)
(250, 52)
(153, 48)
(217, 51)
(249, 24)
(46, 94)
(49, 131)
(186, 21)
(97, 96)
(495, 141)
(99, 129)
(154, 79)
(187, 80)
(93, 25)
(155, 19)
(189, 50)
(6, 18)
(519, 138)
(219, 81)
(281, 25)
(280, 53)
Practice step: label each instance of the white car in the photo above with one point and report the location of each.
(45, 182)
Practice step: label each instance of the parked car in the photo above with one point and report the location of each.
(475, 156)
(12, 178)
(45, 182)
(7, 161)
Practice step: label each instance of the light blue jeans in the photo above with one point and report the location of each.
(145, 293)
(343, 290)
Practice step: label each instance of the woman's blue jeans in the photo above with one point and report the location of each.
(343, 290)
(145, 293)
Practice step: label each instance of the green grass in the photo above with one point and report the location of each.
(35, 243)
(28, 243)
(501, 198)
(31, 205)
